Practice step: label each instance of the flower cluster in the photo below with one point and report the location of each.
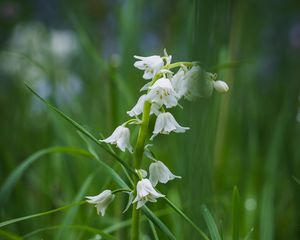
(163, 91)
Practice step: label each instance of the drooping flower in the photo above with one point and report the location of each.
(186, 81)
(160, 173)
(101, 201)
(162, 93)
(120, 137)
(179, 83)
(151, 65)
(145, 192)
(139, 107)
(166, 123)
(220, 86)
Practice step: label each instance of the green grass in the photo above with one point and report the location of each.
(246, 140)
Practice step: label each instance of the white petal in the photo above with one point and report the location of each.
(221, 86)
(138, 108)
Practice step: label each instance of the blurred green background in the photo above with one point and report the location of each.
(79, 56)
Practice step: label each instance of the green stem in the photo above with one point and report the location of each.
(178, 64)
(138, 155)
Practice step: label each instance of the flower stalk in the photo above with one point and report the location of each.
(138, 155)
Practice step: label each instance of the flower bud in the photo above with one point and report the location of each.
(221, 86)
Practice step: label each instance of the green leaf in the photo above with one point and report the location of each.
(9, 235)
(70, 215)
(153, 230)
(297, 180)
(201, 233)
(235, 214)
(249, 234)
(158, 223)
(82, 130)
(110, 170)
(11, 181)
(11, 221)
(212, 226)
(76, 227)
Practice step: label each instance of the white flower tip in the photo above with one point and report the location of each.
(220, 86)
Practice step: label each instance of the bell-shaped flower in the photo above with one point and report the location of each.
(220, 86)
(101, 201)
(162, 92)
(160, 173)
(179, 83)
(166, 123)
(145, 192)
(139, 107)
(120, 137)
(185, 82)
(151, 65)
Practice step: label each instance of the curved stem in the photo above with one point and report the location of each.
(138, 155)
(178, 64)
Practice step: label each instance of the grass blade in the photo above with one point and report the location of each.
(76, 227)
(11, 221)
(9, 235)
(201, 233)
(70, 215)
(82, 130)
(235, 214)
(18, 172)
(115, 176)
(153, 230)
(249, 234)
(158, 223)
(212, 227)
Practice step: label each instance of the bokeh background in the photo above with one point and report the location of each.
(79, 56)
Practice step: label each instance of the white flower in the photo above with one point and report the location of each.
(179, 83)
(120, 137)
(160, 173)
(167, 57)
(145, 192)
(221, 86)
(162, 92)
(101, 201)
(185, 82)
(166, 123)
(139, 107)
(192, 78)
(151, 65)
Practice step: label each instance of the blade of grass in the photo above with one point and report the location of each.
(212, 226)
(9, 235)
(76, 227)
(235, 213)
(18, 172)
(112, 172)
(70, 215)
(82, 130)
(297, 180)
(157, 222)
(11, 221)
(249, 234)
(153, 230)
(201, 233)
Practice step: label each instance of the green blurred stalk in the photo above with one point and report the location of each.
(138, 155)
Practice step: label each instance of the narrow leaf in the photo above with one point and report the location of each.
(158, 223)
(9, 235)
(212, 226)
(201, 233)
(235, 214)
(11, 221)
(82, 130)
(11, 181)
(76, 227)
